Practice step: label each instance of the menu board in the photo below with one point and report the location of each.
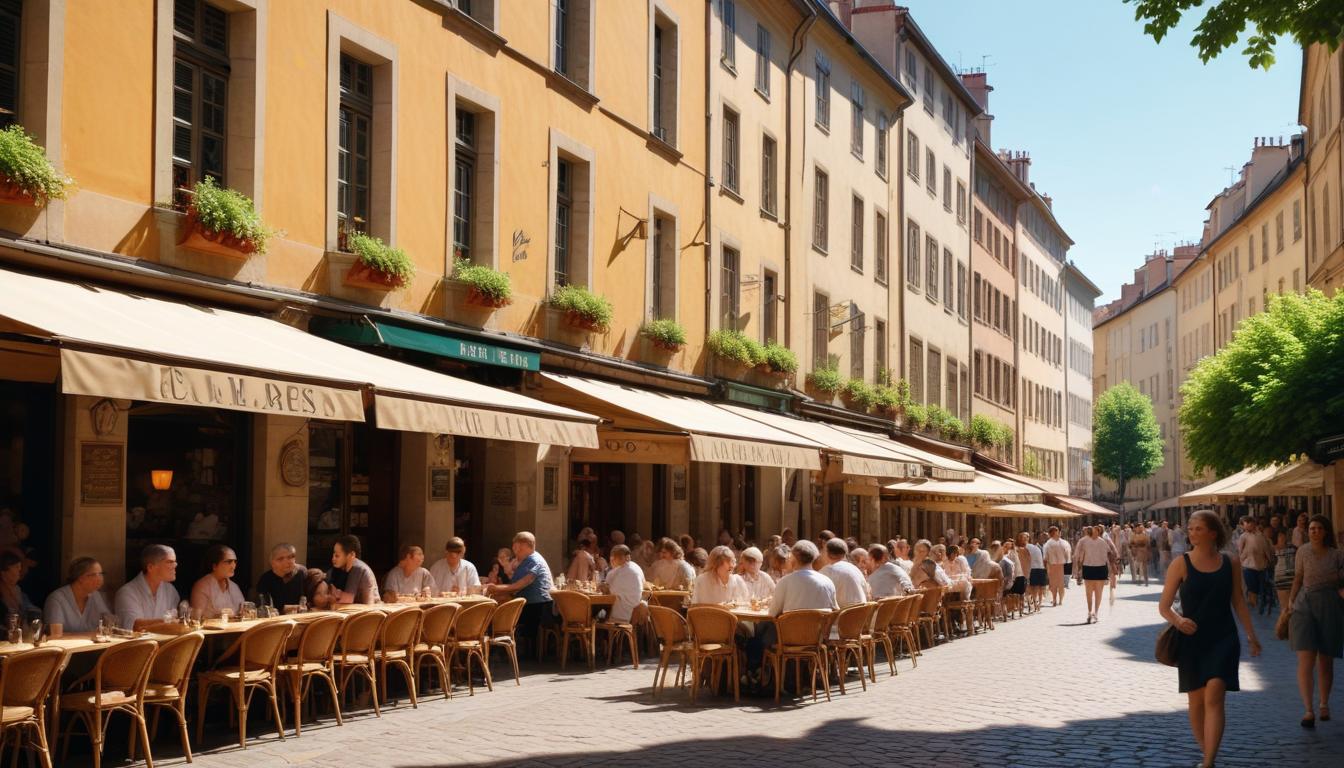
(102, 473)
(440, 484)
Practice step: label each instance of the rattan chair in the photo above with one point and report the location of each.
(616, 631)
(848, 640)
(713, 640)
(313, 658)
(396, 649)
(881, 632)
(930, 612)
(985, 595)
(251, 665)
(118, 680)
(503, 625)
(436, 630)
(26, 681)
(800, 637)
(471, 638)
(169, 679)
(354, 654)
(674, 639)
(576, 623)
(904, 626)
(954, 604)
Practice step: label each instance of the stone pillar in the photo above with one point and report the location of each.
(679, 510)
(279, 510)
(639, 499)
(770, 513)
(96, 529)
(702, 522)
(870, 519)
(421, 519)
(519, 496)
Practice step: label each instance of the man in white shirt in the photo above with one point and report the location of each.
(1036, 575)
(454, 573)
(144, 600)
(982, 566)
(803, 588)
(625, 580)
(409, 577)
(887, 578)
(1057, 552)
(850, 586)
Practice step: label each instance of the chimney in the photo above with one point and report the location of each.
(843, 10)
(1019, 163)
(978, 84)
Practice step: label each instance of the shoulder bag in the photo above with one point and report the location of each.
(1168, 649)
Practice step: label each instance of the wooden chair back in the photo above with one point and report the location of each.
(668, 625)
(667, 598)
(711, 624)
(474, 621)
(933, 598)
(401, 630)
(909, 610)
(437, 625)
(985, 589)
(27, 677)
(360, 632)
(124, 667)
(851, 621)
(318, 642)
(886, 610)
(173, 663)
(576, 610)
(802, 627)
(262, 646)
(505, 619)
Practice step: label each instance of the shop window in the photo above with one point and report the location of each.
(351, 493)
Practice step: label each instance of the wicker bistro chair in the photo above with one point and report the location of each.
(800, 637)
(848, 639)
(713, 640)
(881, 632)
(436, 631)
(354, 654)
(396, 649)
(471, 638)
(313, 659)
(904, 625)
(118, 680)
(26, 681)
(253, 664)
(169, 679)
(576, 623)
(930, 612)
(985, 595)
(502, 627)
(964, 609)
(674, 639)
(617, 631)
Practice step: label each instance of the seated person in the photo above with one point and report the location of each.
(586, 564)
(79, 605)
(360, 585)
(924, 572)
(282, 585)
(803, 588)
(957, 569)
(531, 581)
(670, 570)
(215, 591)
(144, 601)
(718, 584)
(699, 559)
(316, 589)
(409, 577)
(454, 573)
(887, 579)
(850, 586)
(625, 581)
(502, 571)
(759, 584)
(13, 601)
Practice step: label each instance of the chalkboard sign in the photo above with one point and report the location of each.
(440, 484)
(102, 473)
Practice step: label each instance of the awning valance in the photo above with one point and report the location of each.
(1030, 510)
(1084, 506)
(1172, 503)
(985, 490)
(1304, 478)
(124, 345)
(857, 457)
(940, 467)
(713, 434)
(1057, 487)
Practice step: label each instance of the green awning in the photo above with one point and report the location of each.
(371, 333)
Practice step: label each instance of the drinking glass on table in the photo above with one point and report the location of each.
(225, 614)
(247, 611)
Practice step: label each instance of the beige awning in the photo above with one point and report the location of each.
(1057, 487)
(1084, 506)
(858, 457)
(713, 434)
(1304, 478)
(124, 345)
(985, 490)
(1030, 510)
(940, 467)
(1172, 503)
(1236, 485)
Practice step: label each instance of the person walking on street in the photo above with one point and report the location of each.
(1138, 545)
(1162, 543)
(1057, 553)
(1210, 586)
(1093, 553)
(1285, 555)
(1316, 624)
(1254, 553)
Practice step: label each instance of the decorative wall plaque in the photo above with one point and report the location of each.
(103, 415)
(294, 463)
(550, 486)
(102, 473)
(440, 484)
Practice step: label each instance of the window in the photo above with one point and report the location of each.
(821, 330)
(573, 46)
(563, 34)
(948, 275)
(730, 293)
(912, 270)
(1278, 237)
(564, 220)
(927, 95)
(762, 59)
(935, 377)
(1297, 220)
(961, 201)
(770, 307)
(931, 259)
(200, 87)
(1250, 255)
(912, 156)
(663, 267)
(664, 73)
(911, 69)
(821, 210)
(953, 395)
(464, 184)
(961, 289)
(823, 86)
(916, 364)
(879, 350)
(856, 234)
(729, 19)
(880, 243)
(11, 49)
(731, 159)
(483, 11)
(856, 340)
(354, 153)
(931, 172)
(947, 189)
(880, 149)
(978, 367)
(768, 174)
(856, 101)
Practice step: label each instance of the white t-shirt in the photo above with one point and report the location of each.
(710, 591)
(1092, 552)
(759, 586)
(1057, 551)
(1036, 557)
(207, 597)
(448, 580)
(889, 580)
(627, 585)
(397, 581)
(850, 586)
(134, 601)
(802, 589)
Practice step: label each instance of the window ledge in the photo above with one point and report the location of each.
(771, 215)
(880, 174)
(858, 154)
(880, 281)
(575, 91)
(728, 66)
(854, 268)
(663, 148)
(820, 250)
(763, 94)
(932, 299)
(823, 127)
(913, 286)
(726, 192)
(468, 25)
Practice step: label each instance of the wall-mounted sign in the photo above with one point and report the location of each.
(550, 486)
(103, 415)
(503, 495)
(490, 354)
(678, 482)
(102, 473)
(294, 463)
(440, 484)
(520, 243)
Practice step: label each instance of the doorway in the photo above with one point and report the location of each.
(351, 492)
(596, 498)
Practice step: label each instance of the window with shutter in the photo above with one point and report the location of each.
(200, 95)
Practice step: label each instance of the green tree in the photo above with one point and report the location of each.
(1305, 21)
(1272, 392)
(1126, 443)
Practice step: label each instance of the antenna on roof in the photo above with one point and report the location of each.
(984, 61)
(1230, 169)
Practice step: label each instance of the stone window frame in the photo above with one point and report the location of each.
(485, 229)
(662, 208)
(41, 82)
(730, 242)
(582, 69)
(660, 11)
(564, 147)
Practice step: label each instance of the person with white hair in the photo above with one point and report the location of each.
(850, 586)
(759, 583)
(886, 579)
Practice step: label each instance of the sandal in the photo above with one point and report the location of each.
(1325, 713)
(1309, 721)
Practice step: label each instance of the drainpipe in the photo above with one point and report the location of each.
(709, 169)
(795, 51)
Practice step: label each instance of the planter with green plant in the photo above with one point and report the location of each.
(486, 287)
(27, 177)
(825, 380)
(582, 309)
(735, 352)
(378, 266)
(858, 395)
(778, 361)
(665, 334)
(915, 416)
(892, 399)
(223, 222)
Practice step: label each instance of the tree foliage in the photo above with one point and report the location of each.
(1272, 392)
(1305, 21)
(1126, 443)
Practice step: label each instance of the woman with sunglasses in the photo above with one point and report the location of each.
(216, 591)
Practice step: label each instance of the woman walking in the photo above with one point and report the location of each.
(1210, 585)
(1316, 626)
(1093, 553)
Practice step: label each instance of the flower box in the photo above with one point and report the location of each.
(226, 244)
(477, 298)
(13, 194)
(578, 320)
(361, 275)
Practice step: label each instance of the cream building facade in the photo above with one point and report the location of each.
(1080, 297)
(1321, 110)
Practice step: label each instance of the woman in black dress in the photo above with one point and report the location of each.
(1210, 586)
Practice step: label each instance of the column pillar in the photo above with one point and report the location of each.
(90, 527)
(425, 516)
(770, 514)
(280, 510)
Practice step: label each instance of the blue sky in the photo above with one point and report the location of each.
(1131, 138)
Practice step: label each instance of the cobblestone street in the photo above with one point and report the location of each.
(1046, 690)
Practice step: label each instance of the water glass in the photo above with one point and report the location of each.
(225, 614)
